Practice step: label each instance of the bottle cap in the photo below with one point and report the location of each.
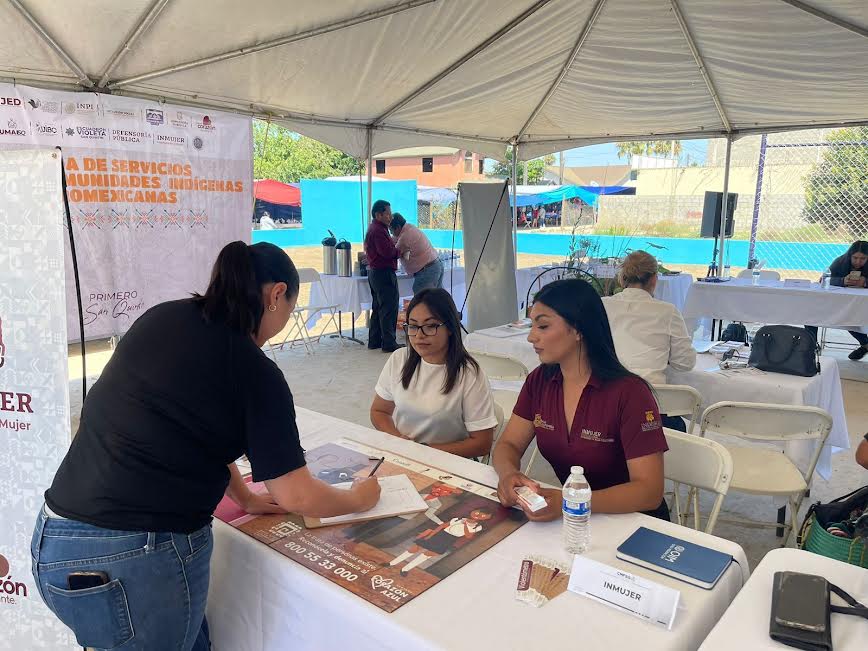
(577, 470)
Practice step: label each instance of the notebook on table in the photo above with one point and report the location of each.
(674, 557)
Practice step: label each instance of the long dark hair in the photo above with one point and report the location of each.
(234, 295)
(859, 246)
(577, 303)
(442, 307)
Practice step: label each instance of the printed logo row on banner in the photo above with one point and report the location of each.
(34, 116)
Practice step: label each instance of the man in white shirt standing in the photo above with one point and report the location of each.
(420, 258)
(650, 335)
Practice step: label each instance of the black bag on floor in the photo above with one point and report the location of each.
(734, 332)
(785, 349)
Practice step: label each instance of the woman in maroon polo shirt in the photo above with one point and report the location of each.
(583, 408)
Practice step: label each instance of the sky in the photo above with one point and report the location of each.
(607, 154)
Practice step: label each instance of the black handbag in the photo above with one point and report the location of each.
(734, 332)
(785, 349)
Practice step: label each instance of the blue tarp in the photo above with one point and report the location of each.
(535, 195)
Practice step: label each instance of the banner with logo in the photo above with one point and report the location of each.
(155, 191)
(34, 390)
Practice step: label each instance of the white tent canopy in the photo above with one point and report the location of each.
(475, 74)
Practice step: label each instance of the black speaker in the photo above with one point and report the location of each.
(711, 214)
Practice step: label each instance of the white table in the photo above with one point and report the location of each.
(823, 390)
(772, 302)
(262, 601)
(353, 293)
(745, 625)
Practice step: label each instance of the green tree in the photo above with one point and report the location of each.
(536, 168)
(289, 157)
(648, 148)
(836, 192)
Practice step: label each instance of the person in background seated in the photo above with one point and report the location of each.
(650, 335)
(862, 453)
(420, 258)
(583, 408)
(266, 223)
(850, 270)
(434, 392)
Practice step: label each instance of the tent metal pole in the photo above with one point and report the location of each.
(278, 42)
(370, 151)
(514, 205)
(515, 22)
(760, 172)
(697, 57)
(83, 79)
(819, 13)
(723, 209)
(143, 26)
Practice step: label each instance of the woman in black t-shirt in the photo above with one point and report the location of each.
(121, 550)
(851, 270)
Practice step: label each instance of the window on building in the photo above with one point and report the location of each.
(427, 164)
(468, 162)
(482, 165)
(381, 166)
(634, 174)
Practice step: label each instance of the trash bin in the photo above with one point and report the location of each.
(344, 258)
(329, 259)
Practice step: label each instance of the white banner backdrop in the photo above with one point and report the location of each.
(34, 390)
(491, 297)
(155, 191)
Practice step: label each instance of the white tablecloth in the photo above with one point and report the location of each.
(745, 626)
(772, 302)
(823, 390)
(259, 600)
(353, 293)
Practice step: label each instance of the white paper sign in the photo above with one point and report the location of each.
(627, 592)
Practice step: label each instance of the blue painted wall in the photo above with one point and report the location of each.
(338, 205)
(778, 255)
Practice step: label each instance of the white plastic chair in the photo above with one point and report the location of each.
(301, 314)
(765, 274)
(764, 471)
(679, 400)
(504, 401)
(500, 367)
(701, 464)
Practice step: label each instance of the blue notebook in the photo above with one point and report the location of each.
(674, 557)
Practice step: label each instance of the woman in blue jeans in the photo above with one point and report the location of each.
(122, 546)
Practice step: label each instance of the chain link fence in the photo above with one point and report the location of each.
(802, 198)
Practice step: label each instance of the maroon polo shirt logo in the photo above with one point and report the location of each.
(541, 424)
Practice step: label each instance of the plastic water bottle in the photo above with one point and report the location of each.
(577, 512)
(755, 276)
(824, 281)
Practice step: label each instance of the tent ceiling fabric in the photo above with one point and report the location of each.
(773, 63)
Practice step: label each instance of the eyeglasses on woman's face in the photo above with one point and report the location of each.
(428, 329)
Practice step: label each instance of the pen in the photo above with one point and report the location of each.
(382, 459)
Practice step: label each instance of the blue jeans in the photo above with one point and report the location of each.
(429, 276)
(157, 589)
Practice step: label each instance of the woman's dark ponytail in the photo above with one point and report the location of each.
(234, 295)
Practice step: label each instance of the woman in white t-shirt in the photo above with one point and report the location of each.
(433, 392)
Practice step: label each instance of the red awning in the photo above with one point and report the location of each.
(276, 192)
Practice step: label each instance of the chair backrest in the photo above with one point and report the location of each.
(500, 367)
(679, 400)
(766, 422)
(308, 275)
(504, 401)
(765, 274)
(699, 463)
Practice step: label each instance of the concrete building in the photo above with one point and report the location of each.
(441, 167)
